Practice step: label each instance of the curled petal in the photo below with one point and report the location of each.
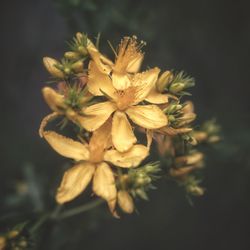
(125, 202)
(131, 158)
(45, 121)
(99, 83)
(121, 81)
(74, 182)
(147, 116)
(53, 99)
(156, 97)
(104, 185)
(135, 65)
(122, 134)
(144, 83)
(103, 63)
(95, 115)
(66, 146)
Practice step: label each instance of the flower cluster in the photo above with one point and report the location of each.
(119, 112)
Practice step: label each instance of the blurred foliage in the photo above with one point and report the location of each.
(94, 16)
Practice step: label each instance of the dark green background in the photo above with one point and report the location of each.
(209, 40)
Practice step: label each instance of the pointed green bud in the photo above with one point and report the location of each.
(52, 66)
(82, 50)
(164, 80)
(176, 87)
(171, 118)
(78, 66)
(71, 55)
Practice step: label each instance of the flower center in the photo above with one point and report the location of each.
(125, 98)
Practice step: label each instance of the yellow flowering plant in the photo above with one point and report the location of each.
(120, 113)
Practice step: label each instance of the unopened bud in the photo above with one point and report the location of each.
(164, 80)
(200, 136)
(190, 159)
(82, 50)
(13, 234)
(196, 190)
(176, 87)
(71, 55)
(79, 36)
(2, 243)
(78, 66)
(50, 65)
(125, 202)
(53, 99)
(171, 118)
(214, 139)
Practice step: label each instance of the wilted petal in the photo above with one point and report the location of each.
(131, 158)
(156, 97)
(66, 146)
(95, 115)
(148, 116)
(144, 82)
(104, 184)
(74, 182)
(53, 99)
(122, 134)
(99, 83)
(125, 202)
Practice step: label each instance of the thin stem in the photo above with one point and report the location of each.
(55, 214)
(80, 209)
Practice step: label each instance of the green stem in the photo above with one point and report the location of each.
(80, 209)
(55, 214)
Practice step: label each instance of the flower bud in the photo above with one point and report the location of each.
(50, 65)
(71, 55)
(164, 80)
(13, 234)
(79, 36)
(78, 66)
(82, 50)
(190, 159)
(2, 242)
(176, 87)
(125, 202)
(196, 190)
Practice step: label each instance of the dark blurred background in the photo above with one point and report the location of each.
(209, 40)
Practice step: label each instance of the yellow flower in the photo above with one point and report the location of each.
(92, 163)
(122, 103)
(128, 60)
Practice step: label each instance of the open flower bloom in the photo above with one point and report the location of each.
(122, 104)
(128, 60)
(92, 163)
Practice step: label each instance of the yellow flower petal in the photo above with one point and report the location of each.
(103, 63)
(74, 182)
(131, 158)
(99, 141)
(120, 81)
(144, 83)
(66, 146)
(99, 82)
(135, 65)
(156, 97)
(53, 99)
(122, 134)
(125, 202)
(104, 184)
(45, 121)
(148, 116)
(95, 115)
